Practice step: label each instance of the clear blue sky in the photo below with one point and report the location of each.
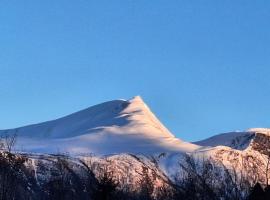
(202, 66)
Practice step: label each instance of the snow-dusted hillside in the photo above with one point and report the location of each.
(246, 152)
(118, 126)
(235, 140)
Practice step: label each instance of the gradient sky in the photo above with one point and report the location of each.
(202, 66)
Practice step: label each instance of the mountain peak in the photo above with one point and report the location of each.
(136, 98)
(117, 126)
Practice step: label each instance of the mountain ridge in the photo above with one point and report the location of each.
(116, 126)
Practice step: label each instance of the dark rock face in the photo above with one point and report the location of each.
(261, 143)
(242, 142)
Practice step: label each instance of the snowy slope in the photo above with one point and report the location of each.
(118, 126)
(235, 140)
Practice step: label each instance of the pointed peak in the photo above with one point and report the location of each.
(136, 99)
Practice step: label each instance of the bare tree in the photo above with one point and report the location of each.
(15, 178)
(204, 179)
(90, 180)
(64, 183)
(8, 141)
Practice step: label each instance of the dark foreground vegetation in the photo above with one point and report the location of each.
(66, 180)
(203, 181)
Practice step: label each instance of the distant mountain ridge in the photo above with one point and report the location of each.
(237, 140)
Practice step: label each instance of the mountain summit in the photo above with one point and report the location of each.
(118, 126)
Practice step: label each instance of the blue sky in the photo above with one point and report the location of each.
(202, 66)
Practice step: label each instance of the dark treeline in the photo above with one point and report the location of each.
(202, 180)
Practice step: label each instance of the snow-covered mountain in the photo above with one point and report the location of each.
(119, 126)
(236, 140)
(247, 152)
(126, 131)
